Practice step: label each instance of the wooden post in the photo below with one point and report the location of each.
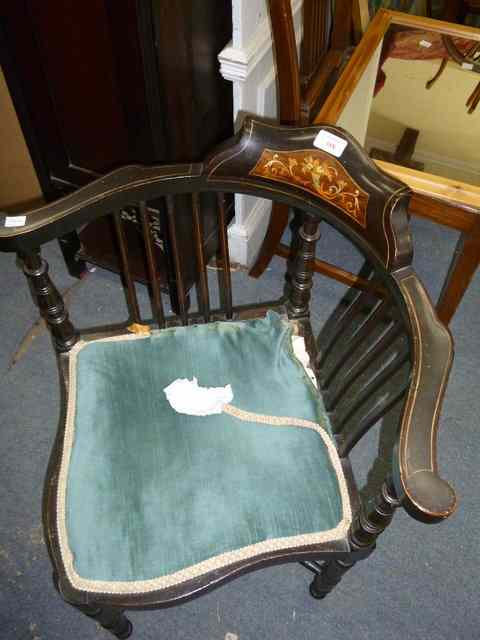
(366, 528)
(49, 301)
(301, 277)
(363, 533)
(331, 574)
(462, 269)
(361, 18)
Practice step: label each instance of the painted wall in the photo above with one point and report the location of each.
(248, 63)
(18, 181)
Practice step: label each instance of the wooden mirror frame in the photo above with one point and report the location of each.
(448, 202)
(454, 191)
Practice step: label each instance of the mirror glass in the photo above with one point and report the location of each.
(425, 112)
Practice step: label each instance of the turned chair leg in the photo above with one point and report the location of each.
(49, 301)
(110, 618)
(330, 575)
(363, 534)
(299, 279)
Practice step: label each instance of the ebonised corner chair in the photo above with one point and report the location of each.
(385, 348)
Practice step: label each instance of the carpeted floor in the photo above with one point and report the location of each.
(422, 582)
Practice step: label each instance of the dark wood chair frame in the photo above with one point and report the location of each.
(413, 481)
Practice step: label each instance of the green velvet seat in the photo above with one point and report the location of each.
(150, 498)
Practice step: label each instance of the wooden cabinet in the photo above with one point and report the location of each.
(102, 83)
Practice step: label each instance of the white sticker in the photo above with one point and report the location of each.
(15, 221)
(329, 142)
(467, 65)
(425, 43)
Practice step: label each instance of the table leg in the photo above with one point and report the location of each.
(462, 269)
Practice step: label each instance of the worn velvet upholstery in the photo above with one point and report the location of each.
(151, 491)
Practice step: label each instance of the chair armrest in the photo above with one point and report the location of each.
(100, 197)
(423, 492)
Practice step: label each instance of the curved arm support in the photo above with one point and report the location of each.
(103, 196)
(422, 491)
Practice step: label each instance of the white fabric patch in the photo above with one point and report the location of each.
(186, 396)
(298, 344)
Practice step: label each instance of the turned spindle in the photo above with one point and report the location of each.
(49, 301)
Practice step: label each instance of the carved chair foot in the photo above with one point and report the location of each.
(330, 575)
(126, 632)
(115, 621)
(111, 619)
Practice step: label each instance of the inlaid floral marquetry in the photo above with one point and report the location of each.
(318, 173)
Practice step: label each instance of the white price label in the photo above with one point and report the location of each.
(330, 143)
(425, 43)
(467, 65)
(15, 221)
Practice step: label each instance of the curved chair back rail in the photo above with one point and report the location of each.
(392, 332)
(280, 163)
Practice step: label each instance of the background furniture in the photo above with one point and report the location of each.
(97, 85)
(459, 10)
(303, 86)
(444, 201)
(248, 63)
(382, 349)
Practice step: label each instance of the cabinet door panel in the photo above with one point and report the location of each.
(79, 69)
(75, 49)
(102, 83)
(199, 102)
